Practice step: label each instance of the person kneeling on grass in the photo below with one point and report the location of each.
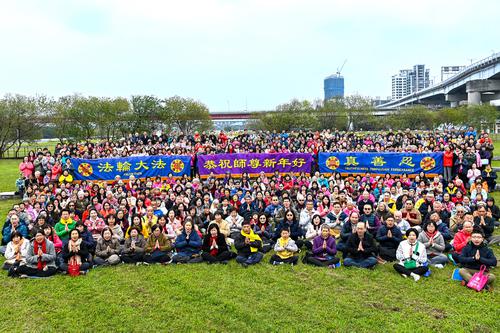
(158, 247)
(107, 250)
(41, 258)
(133, 250)
(285, 248)
(75, 251)
(475, 254)
(323, 249)
(247, 243)
(188, 245)
(215, 249)
(360, 248)
(412, 256)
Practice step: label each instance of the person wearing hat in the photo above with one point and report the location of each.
(248, 244)
(475, 254)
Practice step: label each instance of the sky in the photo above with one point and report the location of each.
(234, 55)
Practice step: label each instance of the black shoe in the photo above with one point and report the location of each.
(224, 262)
(13, 272)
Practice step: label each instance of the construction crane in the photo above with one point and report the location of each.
(341, 67)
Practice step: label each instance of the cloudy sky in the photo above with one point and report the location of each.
(234, 54)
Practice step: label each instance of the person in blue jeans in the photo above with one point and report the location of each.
(360, 248)
(248, 244)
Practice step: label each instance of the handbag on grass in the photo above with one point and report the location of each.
(411, 263)
(478, 280)
(73, 268)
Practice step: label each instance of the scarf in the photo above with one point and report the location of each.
(284, 254)
(41, 264)
(253, 237)
(215, 250)
(431, 235)
(76, 245)
(68, 221)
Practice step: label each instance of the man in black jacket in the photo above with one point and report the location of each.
(248, 245)
(361, 248)
(475, 254)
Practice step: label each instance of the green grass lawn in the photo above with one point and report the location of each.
(230, 298)
(9, 171)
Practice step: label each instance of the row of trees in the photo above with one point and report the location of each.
(76, 117)
(358, 113)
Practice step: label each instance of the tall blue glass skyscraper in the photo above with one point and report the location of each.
(334, 86)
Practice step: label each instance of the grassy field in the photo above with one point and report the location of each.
(230, 298)
(9, 169)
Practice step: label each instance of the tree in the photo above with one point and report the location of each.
(413, 117)
(144, 114)
(186, 114)
(20, 122)
(289, 116)
(347, 113)
(112, 113)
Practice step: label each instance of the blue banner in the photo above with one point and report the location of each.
(381, 163)
(139, 166)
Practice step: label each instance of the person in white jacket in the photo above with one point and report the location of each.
(412, 256)
(16, 251)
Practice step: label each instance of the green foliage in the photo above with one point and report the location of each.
(416, 117)
(20, 124)
(289, 116)
(186, 114)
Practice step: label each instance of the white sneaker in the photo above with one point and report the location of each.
(416, 277)
(440, 266)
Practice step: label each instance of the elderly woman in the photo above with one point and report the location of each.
(412, 256)
(40, 259)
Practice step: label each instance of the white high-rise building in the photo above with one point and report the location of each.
(409, 81)
(449, 71)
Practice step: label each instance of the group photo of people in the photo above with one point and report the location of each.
(414, 222)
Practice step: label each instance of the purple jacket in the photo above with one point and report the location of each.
(319, 252)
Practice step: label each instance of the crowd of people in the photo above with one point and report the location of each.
(326, 220)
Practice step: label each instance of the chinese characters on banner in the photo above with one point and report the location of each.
(238, 164)
(139, 166)
(381, 163)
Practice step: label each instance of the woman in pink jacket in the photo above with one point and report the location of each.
(26, 167)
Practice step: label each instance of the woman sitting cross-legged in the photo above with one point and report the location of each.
(158, 247)
(286, 250)
(412, 256)
(323, 249)
(41, 258)
(16, 251)
(215, 249)
(75, 251)
(107, 250)
(133, 250)
(188, 245)
(434, 245)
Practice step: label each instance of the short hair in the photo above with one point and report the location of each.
(409, 231)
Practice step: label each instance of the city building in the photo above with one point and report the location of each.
(408, 81)
(334, 86)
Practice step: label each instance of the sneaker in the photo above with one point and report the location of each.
(331, 266)
(450, 258)
(404, 275)
(138, 263)
(416, 277)
(274, 263)
(145, 263)
(83, 272)
(440, 266)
